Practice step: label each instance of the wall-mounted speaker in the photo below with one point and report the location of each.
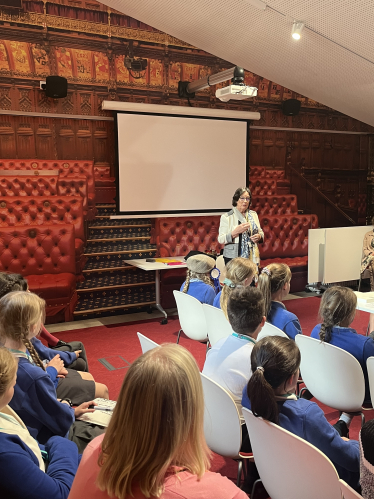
(291, 107)
(56, 87)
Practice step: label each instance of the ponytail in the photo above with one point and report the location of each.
(194, 275)
(264, 285)
(274, 360)
(261, 395)
(187, 283)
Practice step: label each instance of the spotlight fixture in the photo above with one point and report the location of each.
(297, 28)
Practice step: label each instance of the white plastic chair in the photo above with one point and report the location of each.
(217, 324)
(191, 317)
(222, 427)
(332, 375)
(145, 343)
(270, 330)
(290, 467)
(348, 492)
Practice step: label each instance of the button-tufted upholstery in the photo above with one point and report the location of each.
(74, 185)
(18, 211)
(286, 240)
(105, 185)
(179, 236)
(262, 171)
(45, 256)
(274, 205)
(28, 185)
(268, 187)
(64, 167)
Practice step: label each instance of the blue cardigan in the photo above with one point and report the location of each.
(280, 317)
(36, 403)
(307, 420)
(48, 354)
(361, 347)
(21, 477)
(217, 300)
(201, 291)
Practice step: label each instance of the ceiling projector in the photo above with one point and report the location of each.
(236, 92)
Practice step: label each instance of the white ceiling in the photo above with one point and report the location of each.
(333, 63)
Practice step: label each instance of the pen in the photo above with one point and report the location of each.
(100, 408)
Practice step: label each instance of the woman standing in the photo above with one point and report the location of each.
(240, 229)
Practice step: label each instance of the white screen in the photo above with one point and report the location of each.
(179, 164)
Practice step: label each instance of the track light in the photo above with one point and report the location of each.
(297, 28)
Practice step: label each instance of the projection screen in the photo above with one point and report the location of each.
(177, 164)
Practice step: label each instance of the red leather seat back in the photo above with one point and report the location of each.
(274, 205)
(262, 171)
(263, 187)
(286, 236)
(73, 185)
(18, 210)
(65, 167)
(179, 236)
(42, 249)
(32, 185)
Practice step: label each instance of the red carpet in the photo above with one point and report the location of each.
(118, 344)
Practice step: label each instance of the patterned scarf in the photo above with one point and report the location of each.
(249, 248)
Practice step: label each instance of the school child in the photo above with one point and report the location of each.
(75, 357)
(337, 311)
(274, 284)
(154, 445)
(24, 470)
(199, 282)
(270, 394)
(240, 272)
(76, 386)
(366, 440)
(35, 400)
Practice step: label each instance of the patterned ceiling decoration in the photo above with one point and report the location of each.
(336, 45)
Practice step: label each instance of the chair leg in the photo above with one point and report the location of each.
(302, 391)
(240, 466)
(179, 336)
(252, 496)
(362, 419)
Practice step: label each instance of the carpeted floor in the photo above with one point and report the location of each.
(117, 345)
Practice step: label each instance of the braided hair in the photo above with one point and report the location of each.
(237, 271)
(338, 307)
(20, 313)
(11, 282)
(194, 275)
(8, 369)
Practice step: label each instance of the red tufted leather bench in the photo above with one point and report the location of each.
(45, 256)
(105, 184)
(268, 187)
(65, 167)
(286, 241)
(177, 237)
(75, 185)
(274, 205)
(262, 171)
(32, 185)
(18, 211)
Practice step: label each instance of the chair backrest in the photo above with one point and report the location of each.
(348, 492)
(322, 372)
(217, 325)
(270, 330)
(370, 368)
(220, 264)
(191, 316)
(277, 451)
(222, 428)
(145, 343)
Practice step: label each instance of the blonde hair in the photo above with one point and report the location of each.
(194, 275)
(338, 305)
(8, 369)
(157, 423)
(280, 274)
(19, 312)
(237, 270)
